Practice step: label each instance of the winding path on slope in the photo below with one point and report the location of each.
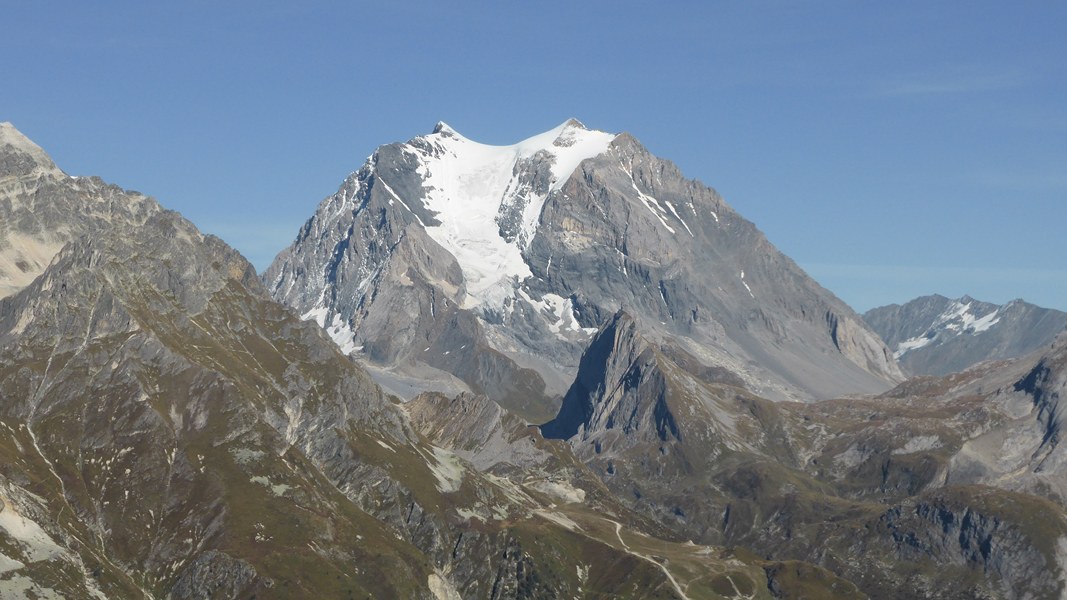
(674, 582)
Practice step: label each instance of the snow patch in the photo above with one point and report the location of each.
(24, 587)
(958, 318)
(468, 514)
(558, 518)
(317, 314)
(558, 311)
(339, 331)
(495, 513)
(561, 490)
(8, 564)
(343, 335)
(984, 323)
(246, 456)
(277, 489)
(913, 344)
(36, 545)
(744, 283)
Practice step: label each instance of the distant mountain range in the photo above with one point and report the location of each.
(356, 421)
(934, 335)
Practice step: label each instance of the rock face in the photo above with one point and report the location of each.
(449, 262)
(934, 335)
(41, 208)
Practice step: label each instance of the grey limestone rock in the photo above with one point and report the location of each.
(42, 208)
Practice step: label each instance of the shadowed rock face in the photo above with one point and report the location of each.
(934, 335)
(618, 385)
(388, 266)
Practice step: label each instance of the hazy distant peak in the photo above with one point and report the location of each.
(935, 335)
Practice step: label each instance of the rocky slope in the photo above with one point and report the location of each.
(940, 488)
(449, 264)
(934, 335)
(41, 208)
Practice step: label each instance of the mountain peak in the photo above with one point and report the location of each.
(445, 129)
(604, 366)
(20, 156)
(573, 123)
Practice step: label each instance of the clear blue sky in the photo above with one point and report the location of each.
(893, 149)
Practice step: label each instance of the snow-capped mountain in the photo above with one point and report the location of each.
(935, 335)
(489, 268)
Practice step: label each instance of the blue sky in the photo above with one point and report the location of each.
(893, 149)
